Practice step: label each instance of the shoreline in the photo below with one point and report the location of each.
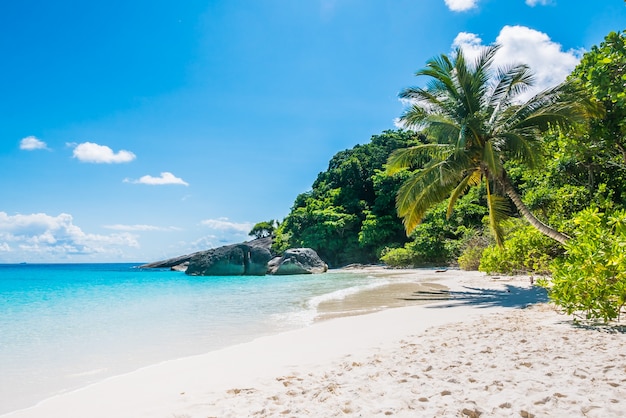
(344, 358)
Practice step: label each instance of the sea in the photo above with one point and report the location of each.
(65, 326)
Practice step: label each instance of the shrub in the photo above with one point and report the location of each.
(398, 257)
(526, 250)
(471, 255)
(590, 280)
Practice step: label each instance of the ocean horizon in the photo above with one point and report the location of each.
(65, 326)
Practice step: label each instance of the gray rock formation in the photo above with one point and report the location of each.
(252, 258)
(297, 261)
(249, 258)
(177, 263)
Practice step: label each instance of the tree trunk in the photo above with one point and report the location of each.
(523, 209)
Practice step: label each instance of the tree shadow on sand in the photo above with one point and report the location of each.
(509, 297)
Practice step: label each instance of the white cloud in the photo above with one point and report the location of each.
(223, 224)
(137, 228)
(470, 43)
(89, 152)
(533, 3)
(164, 179)
(31, 143)
(40, 237)
(522, 45)
(461, 5)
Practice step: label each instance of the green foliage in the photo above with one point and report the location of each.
(349, 215)
(526, 250)
(472, 155)
(472, 115)
(469, 259)
(439, 240)
(603, 149)
(263, 229)
(399, 257)
(591, 278)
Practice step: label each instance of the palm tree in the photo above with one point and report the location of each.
(476, 122)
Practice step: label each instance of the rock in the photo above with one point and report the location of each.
(172, 263)
(231, 260)
(297, 261)
(253, 258)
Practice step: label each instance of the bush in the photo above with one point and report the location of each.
(526, 250)
(398, 257)
(590, 280)
(470, 258)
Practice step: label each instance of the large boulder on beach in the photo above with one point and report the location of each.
(230, 260)
(297, 261)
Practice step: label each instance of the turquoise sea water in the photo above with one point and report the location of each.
(63, 326)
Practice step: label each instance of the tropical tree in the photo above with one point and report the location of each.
(263, 229)
(475, 121)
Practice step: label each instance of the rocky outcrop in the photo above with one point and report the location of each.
(252, 258)
(297, 261)
(177, 263)
(249, 258)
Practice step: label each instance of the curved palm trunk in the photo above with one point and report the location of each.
(523, 209)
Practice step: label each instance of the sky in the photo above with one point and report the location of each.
(136, 130)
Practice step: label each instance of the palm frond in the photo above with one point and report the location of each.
(508, 83)
(418, 194)
(524, 146)
(491, 160)
(403, 158)
(472, 179)
(498, 211)
(562, 106)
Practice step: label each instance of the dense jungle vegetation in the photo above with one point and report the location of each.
(475, 181)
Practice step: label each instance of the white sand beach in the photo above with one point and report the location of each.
(494, 348)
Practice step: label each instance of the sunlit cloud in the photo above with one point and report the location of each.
(42, 236)
(89, 152)
(522, 45)
(461, 5)
(222, 231)
(548, 61)
(223, 224)
(31, 143)
(140, 228)
(165, 179)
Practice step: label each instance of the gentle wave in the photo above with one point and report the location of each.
(341, 294)
(309, 312)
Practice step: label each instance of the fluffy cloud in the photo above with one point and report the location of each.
(43, 237)
(461, 5)
(222, 231)
(31, 143)
(533, 3)
(165, 178)
(223, 224)
(140, 228)
(519, 44)
(89, 152)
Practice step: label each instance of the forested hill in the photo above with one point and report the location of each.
(575, 178)
(349, 215)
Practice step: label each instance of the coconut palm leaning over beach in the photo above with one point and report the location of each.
(475, 122)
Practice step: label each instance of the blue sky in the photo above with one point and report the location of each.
(140, 130)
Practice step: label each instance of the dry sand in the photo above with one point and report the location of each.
(484, 347)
